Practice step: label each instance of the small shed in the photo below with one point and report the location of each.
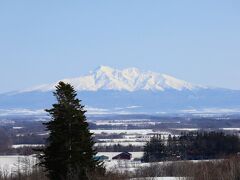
(101, 158)
(123, 156)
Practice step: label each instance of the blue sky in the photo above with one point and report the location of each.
(44, 41)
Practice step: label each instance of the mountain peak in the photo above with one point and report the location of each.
(105, 69)
(129, 79)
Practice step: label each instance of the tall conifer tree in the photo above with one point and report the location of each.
(69, 152)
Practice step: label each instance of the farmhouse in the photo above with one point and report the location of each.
(123, 156)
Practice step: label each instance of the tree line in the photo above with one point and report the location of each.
(191, 146)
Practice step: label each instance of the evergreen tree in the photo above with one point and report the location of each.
(69, 152)
(154, 150)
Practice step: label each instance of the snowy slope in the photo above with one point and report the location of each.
(130, 79)
(110, 90)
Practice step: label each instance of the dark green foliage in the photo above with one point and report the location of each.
(188, 146)
(69, 152)
(154, 150)
(209, 145)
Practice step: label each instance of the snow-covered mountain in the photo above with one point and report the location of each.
(107, 90)
(130, 79)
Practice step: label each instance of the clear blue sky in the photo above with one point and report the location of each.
(47, 40)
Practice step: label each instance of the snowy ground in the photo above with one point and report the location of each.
(123, 131)
(186, 129)
(133, 137)
(121, 143)
(11, 164)
(26, 145)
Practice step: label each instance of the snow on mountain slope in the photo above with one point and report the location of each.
(130, 79)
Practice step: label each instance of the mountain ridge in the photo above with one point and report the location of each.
(128, 79)
(117, 90)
